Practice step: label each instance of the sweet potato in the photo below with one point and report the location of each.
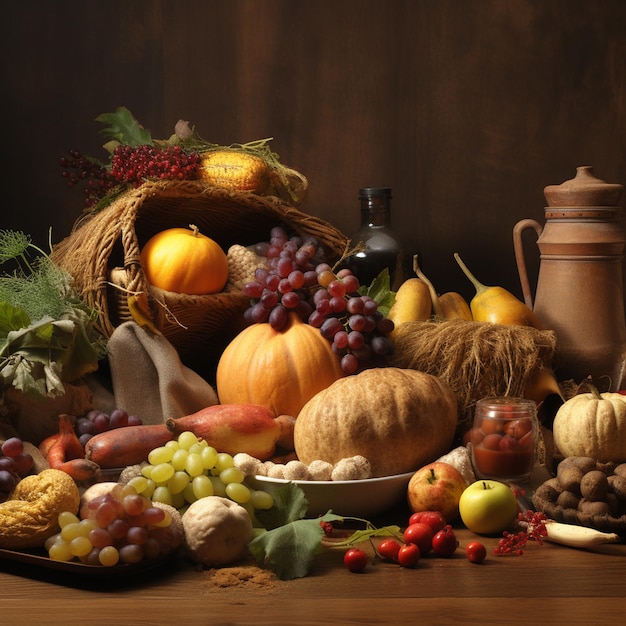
(80, 469)
(126, 446)
(234, 428)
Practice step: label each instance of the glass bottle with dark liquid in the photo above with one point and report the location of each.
(378, 245)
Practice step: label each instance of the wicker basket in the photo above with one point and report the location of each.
(103, 255)
(544, 499)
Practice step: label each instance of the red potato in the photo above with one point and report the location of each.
(126, 446)
(235, 428)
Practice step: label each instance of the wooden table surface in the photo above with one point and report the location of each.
(549, 584)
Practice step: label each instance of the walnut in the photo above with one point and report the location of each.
(29, 517)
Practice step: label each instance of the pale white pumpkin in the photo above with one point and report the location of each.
(593, 425)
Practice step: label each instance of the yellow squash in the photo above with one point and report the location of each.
(496, 304)
(412, 304)
(450, 305)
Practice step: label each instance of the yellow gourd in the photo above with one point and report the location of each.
(412, 304)
(450, 305)
(280, 370)
(185, 261)
(496, 304)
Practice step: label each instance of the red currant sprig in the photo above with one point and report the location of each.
(533, 527)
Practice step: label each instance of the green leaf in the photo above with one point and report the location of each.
(380, 291)
(361, 535)
(123, 127)
(292, 548)
(11, 318)
(290, 504)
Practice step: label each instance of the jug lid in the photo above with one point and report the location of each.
(584, 190)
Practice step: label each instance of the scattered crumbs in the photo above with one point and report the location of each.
(248, 576)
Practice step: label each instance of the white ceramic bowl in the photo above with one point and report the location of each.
(351, 498)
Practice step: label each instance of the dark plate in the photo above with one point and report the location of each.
(74, 567)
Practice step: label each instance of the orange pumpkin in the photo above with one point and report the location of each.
(281, 370)
(185, 261)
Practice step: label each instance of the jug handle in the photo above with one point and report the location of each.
(518, 246)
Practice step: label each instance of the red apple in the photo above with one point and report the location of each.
(436, 487)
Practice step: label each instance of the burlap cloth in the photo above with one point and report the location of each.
(149, 380)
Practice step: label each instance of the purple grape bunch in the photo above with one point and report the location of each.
(297, 279)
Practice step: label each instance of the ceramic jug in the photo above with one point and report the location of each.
(580, 292)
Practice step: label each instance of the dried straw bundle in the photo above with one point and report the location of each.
(476, 359)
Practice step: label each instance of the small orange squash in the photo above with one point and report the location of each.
(185, 261)
(281, 370)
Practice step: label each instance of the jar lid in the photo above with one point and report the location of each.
(584, 190)
(375, 192)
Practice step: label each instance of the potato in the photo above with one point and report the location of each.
(589, 507)
(550, 489)
(617, 486)
(620, 470)
(594, 486)
(569, 477)
(568, 500)
(615, 506)
(584, 463)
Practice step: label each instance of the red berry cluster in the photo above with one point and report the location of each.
(134, 165)
(93, 175)
(129, 166)
(533, 524)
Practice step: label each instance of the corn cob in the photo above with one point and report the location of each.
(234, 169)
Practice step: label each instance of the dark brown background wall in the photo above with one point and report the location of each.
(467, 108)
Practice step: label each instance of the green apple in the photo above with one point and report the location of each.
(488, 507)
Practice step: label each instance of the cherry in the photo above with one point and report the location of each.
(420, 534)
(388, 549)
(445, 542)
(409, 555)
(434, 519)
(475, 552)
(355, 559)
